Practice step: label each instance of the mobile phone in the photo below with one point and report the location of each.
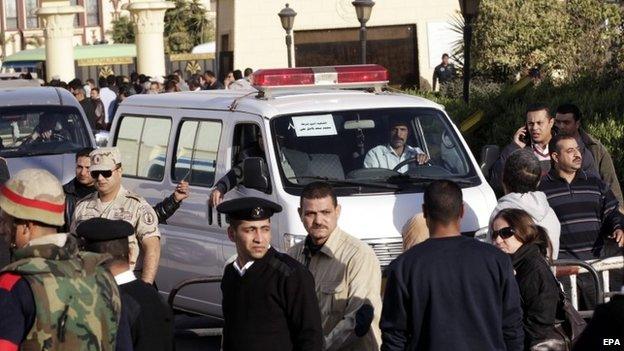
(527, 137)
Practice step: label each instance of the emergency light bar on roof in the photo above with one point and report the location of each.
(353, 76)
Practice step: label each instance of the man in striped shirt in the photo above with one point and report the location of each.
(585, 206)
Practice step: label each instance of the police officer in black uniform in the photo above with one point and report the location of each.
(269, 301)
(148, 317)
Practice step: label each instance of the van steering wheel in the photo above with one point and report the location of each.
(408, 161)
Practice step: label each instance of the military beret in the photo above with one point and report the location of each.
(248, 209)
(102, 229)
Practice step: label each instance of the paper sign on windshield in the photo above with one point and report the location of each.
(317, 125)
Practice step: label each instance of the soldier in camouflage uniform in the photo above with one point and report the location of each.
(52, 297)
(113, 201)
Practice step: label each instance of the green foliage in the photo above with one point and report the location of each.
(123, 30)
(186, 26)
(573, 37)
(598, 97)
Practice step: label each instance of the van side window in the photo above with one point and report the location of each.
(143, 142)
(196, 152)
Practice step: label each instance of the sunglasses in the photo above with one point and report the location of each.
(504, 233)
(105, 174)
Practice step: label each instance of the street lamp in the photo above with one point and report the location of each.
(469, 10)
(287, 17)
(363, 9)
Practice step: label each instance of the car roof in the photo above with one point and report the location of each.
(289, 101)
(29, 96)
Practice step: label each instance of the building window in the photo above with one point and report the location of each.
(10, 12)
(31, 13)
(76, 16)
(92, 8)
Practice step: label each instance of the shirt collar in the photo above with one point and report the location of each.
(54, 239)
(125, 277)
(407, 149)
(331, 245)
(241, 271)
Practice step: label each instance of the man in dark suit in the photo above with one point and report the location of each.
(148, 316)
(605, 331)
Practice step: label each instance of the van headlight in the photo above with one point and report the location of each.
(482, 235)
(291, 240)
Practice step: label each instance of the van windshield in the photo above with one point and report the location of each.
(370, 151)
(41, 130)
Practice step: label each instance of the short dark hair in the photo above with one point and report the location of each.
(445, 55)
(126, 90)
(248, 71)
(552, 144)
(84, 152)
(117, 248)
(111, 80)
(538, 106)
(443, 202)
(237, 74)
(102, 82)
(91, 80)
(318, 190)
(95, 89)
(522, 172)
(210, 74)
(569, 108)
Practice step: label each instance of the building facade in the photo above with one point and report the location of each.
(407, 36)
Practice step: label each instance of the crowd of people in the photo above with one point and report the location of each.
(85, 255)
(100, 99)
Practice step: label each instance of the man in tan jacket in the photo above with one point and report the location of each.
(346, 273)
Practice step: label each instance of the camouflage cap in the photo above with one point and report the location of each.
(105, 159)
(34, 194)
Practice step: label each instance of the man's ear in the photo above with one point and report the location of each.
(231, 234)
(338, 209)
(555, 157)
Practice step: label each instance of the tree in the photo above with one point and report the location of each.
(571, 36)
(123, 30)
(186, 26)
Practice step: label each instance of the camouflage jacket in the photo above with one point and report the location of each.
(76, 299)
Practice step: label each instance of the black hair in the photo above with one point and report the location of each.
(522, 172)
(248, 71)
(569, 108)
(84, 152)
(210, 74)
(318, 190)
(443, 202)
(126, 90)
(111, 80)
(534, 107)
(552, 144)
(102, 82)
(117, 248)
(445, 55)
(237, 74)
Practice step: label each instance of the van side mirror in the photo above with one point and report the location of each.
(489, 155)
(255, 174)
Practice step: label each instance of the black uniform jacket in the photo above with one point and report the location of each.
(153, 329)
(539, 293)
(273, 306)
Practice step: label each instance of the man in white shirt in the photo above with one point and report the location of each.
(396, 151)
(107, 96)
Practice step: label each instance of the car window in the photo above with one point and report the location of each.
(41, 130)
(369, 149)
(143, 142)
(196, 152)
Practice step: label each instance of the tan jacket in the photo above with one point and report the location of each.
(346, 275)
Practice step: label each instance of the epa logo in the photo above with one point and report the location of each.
(611, 342)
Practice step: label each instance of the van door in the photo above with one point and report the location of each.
(192, 245)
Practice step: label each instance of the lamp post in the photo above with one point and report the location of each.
(469, 10)
(363, 9)
(287, 17)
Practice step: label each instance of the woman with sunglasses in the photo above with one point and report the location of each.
(515, 233)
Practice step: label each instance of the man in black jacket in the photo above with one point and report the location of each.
(269, 301)
(450, 292)
(83, 184)
(149, 318)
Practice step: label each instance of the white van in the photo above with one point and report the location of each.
(311, 130)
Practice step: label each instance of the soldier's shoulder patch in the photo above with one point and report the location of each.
(134, 196)
(148, 216)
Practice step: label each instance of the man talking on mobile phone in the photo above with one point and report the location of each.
(535, 135)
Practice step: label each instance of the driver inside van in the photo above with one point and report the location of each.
(395, 151)
(49, 128)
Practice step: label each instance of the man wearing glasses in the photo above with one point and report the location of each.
(113, 201)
